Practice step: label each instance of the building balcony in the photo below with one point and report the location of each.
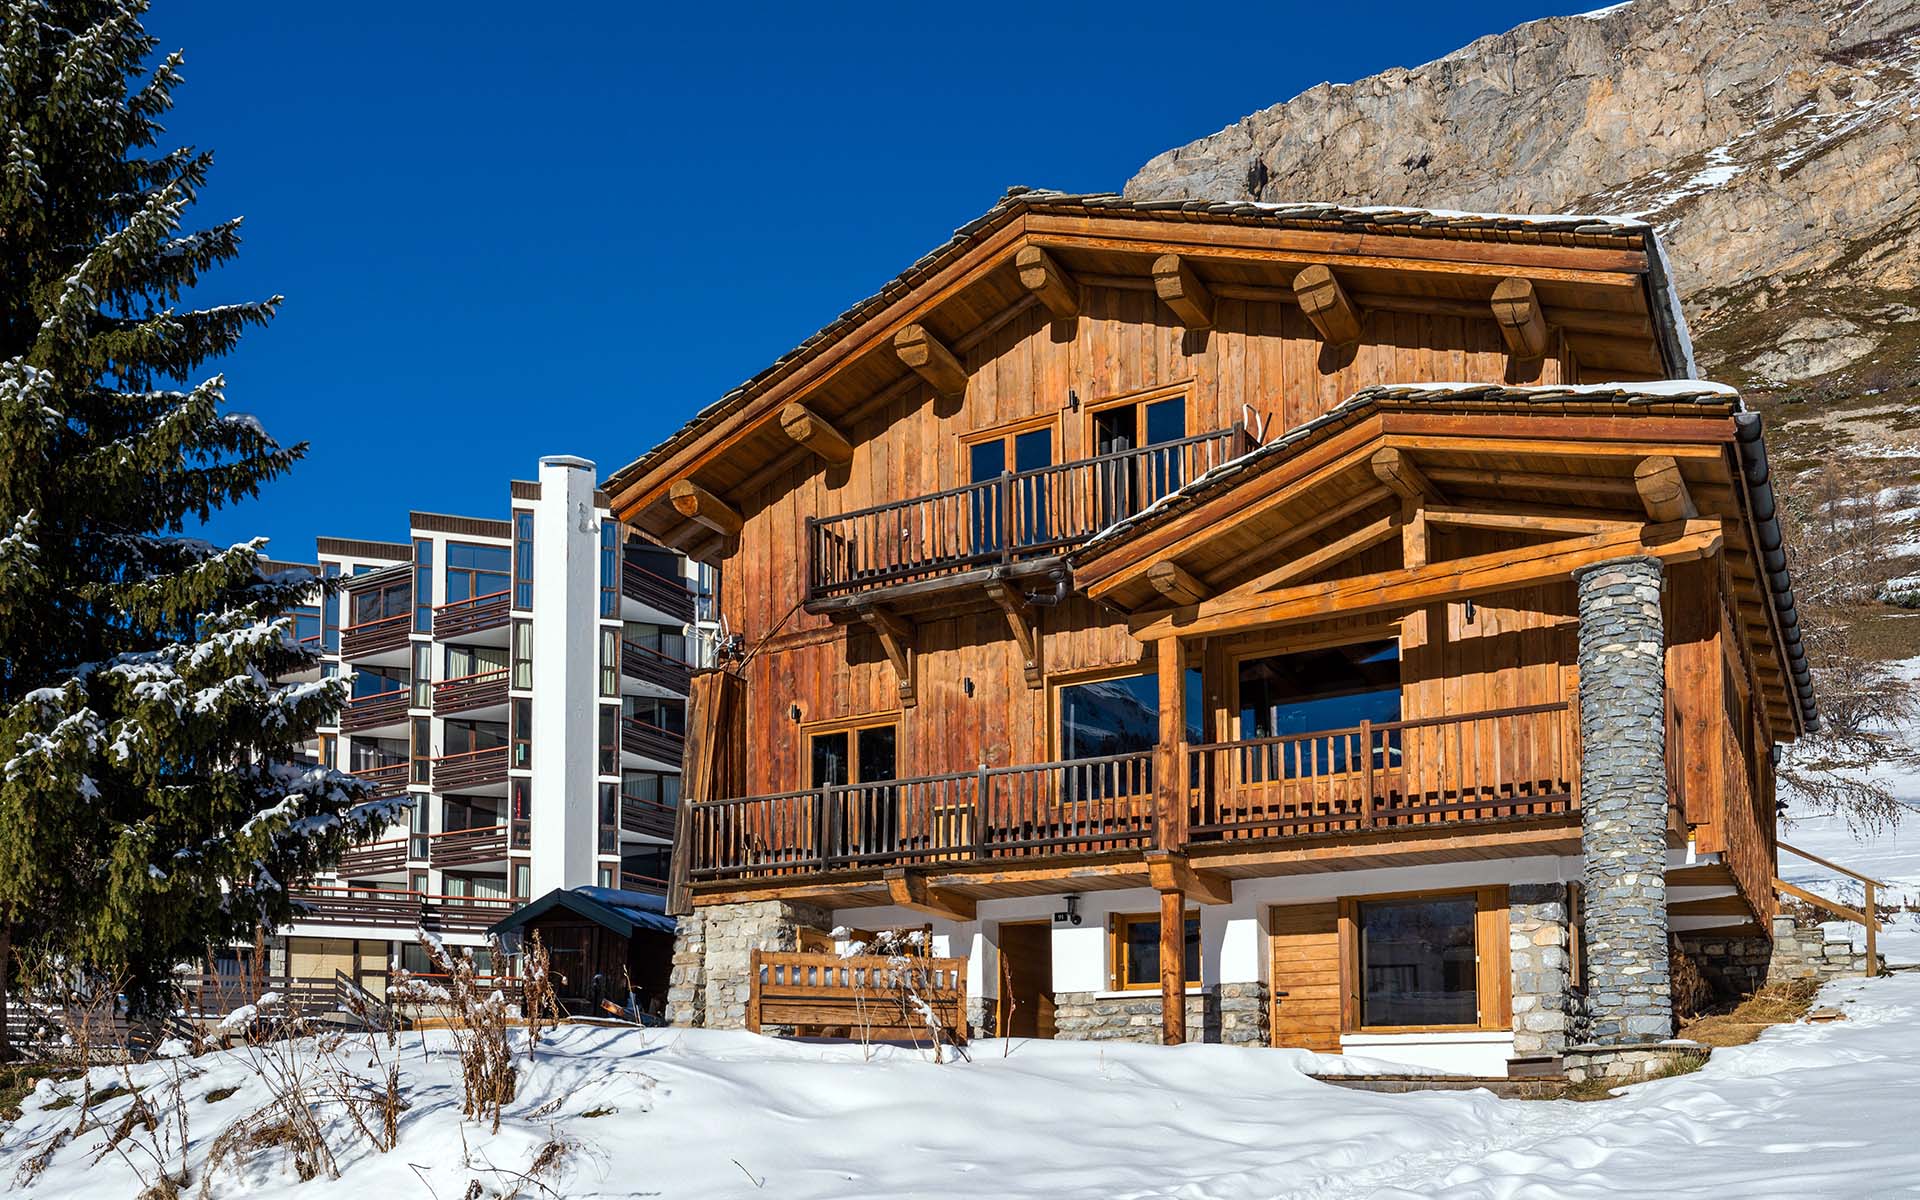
(386, 710)
(1404, 777)
(388, 781)
(463, 620)
(651, 666)
(651, 741)
(670, 598)
(646, 818)
(383, 857)
(468, 847)
(629, 882)
(1021, 518)
(468, 693)
(399, 912)
(376, 639)
(473, 769)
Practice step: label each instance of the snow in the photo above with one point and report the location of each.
(1808, 1110)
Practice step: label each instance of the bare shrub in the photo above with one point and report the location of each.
(479, 1021)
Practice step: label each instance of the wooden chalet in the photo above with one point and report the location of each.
(1238, 615)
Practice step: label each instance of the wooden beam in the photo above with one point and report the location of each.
(896, 635)
(1042, 276)
(1308, 565)
(1171, 872)
(1176, 583)
(911, 890)
(1453, 579)
(1396, 468)
(929, 358)
(1530, 481)
(1521, 322)
(1663, 490)
(1025, 625)
(696, 503)
(1181, 290)
(1170, 749)
(1173, 968)
(809, 429)
(1519, 520)
(1327, 305)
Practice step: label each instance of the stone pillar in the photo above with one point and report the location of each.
(687, 985)
(1243, 1014)
(729, 935)
(1538, 944)
(1623, 800)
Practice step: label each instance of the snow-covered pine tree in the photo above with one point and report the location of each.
(152, 796)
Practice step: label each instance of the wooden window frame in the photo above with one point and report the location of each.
(1005, 432)
(1493, 977)
(1117, 925)
(851, 726)
(1138, 401)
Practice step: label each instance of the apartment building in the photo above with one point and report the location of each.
(524, 680)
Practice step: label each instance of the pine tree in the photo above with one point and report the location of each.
(153, 797)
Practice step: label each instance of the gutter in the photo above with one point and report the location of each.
(1764, 508)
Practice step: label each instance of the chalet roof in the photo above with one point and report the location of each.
(1628, 397)
(1555, 228)
(614, 909)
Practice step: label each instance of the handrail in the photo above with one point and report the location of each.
(1866, 915)
(1525, 710)
(496, 673)
(470, 753)
(370, 772)
(470, 601)
(1831, 866)
(376, 624)
(472, 829)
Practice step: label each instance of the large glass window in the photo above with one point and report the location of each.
(464, 737)
(330, 609)
(1136, 950)
(522, 655)
(652, 787)
(372, 604)
(522, 559)
(609, 568)
(1319, 691)
(1120, 716)
(463, 661)
(421, 740)
(365, 753)
(423, 585)
(670, 715)
(378, 681)
(1418, 961)
(422, 675)
(657, 638)
(476, 571)
(845, 756)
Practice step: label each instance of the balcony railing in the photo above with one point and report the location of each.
(375, 637)
(648, 817)
(1019, 516)
(651, 741)
(374, 858)
(657, 592)
(475, 768)
(398, 910)
(466, 847)
(1511, 764)
(371, 712)
(630, 882)
(643, 662)
(388, 781)
(487, 689)
(464, 617)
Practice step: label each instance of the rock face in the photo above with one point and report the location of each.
(1776, 144)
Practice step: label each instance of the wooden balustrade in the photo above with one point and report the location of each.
(631, 882)
(661, 670)
(669, 596)
(398, 910)
(1019, 516)
(371, 712)
(1516, 762)
(475, 768)
(374, 858)
(375, 637)
(648, 817)
(651, 741)
(461, 618)
(464, 693)
(467, 847)
(864, 996)
(388, 781)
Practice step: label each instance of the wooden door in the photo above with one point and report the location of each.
(1026, 980)
(1306, 976)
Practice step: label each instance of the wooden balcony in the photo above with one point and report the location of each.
(375, 637)
(463, 618)
(649, 818)
(488, 689)
(374, 858)
(651, 741)
(669, 596)
(372, 712)
(388, 781)
(629, 882)
(661, 670)
(467, 847)
(401, 911)
(1019, 517)
(1479, 769)
(475, 768)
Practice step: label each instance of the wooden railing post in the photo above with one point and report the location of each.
(1873, 921)
(1007, 507)
(754, 990)
(822, 828)
(980, 796)
(1366, 774)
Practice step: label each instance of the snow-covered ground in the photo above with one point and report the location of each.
(1806, 1111)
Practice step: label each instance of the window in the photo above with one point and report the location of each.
(422, 675)
(609, 568)
(306, 626)
(670, 715)
(1128, 484)
(522, 559)
(421, 749)
(329, 751)
(670, 643)
(520, 812)
(652, 787)
(609, 818)
(522, 880)
(1419, 961)
(330, 609)
(382, 602)
(417, 840)
(1015, 508)
(609, 740)
(466, 737)
(1136, 950)
(520, 717)
(609, 662)
(523, 655)
(463, 661)
(863, 755)
(1105, 718)
(378, 681)
(1314, 691)
(475, 571)
(369, 753)
(648, 862)
(423, 585)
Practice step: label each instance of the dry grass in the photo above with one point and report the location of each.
(1774, 1004)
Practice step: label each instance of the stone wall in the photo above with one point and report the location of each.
(1538, 947)
(712, 952)
(1733, 966)
(1803, 952)
(1623, 800)
(1231, 1013)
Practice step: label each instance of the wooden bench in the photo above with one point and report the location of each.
(866, 997)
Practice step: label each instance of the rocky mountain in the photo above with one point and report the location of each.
(1776, 144)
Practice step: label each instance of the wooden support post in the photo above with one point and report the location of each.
(1042, 276)
(1170, 752)
(1171, 872)
(929, 358)
(1173, 968)
(1327, 305)
(808, 429)
(696, 503)
(1521, 323)
(1181, 290)
(1663, 490)
(896, 635)
(1025, 624)
(1873, 926)
(754, 988)
(1176, 583)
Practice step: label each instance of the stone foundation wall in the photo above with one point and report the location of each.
(1244, 1012)
(1805, 953)
(1626, 1064)
(1538, 945)
(1733, 966)
(980, 1010)
(712, 951)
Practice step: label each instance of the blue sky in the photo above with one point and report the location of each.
(513, 230)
